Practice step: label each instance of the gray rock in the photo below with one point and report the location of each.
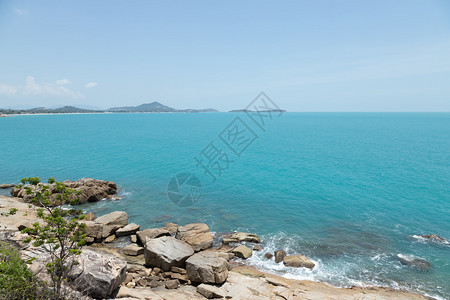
(166, 252)
(127, 230)
(94, 230)
(108, 230)
(436, 238)
(172, 284)
(133, 250)
(257, 248)
(98, 274)
(114, 218)
(210, 291)
(197, 235)
(152, 233)
(206, 267)
(268, 255)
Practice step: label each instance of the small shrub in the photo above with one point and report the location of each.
(16, 280)
(13, 211)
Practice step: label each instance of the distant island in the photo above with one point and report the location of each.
(154, 107)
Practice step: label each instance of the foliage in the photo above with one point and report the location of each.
(61, 233)
(16, 280)
(13, 210)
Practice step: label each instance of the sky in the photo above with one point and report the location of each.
(335, 55)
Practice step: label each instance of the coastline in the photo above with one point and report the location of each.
(241, 278)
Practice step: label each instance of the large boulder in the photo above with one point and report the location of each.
(240, 237)
(94, 230)
(206, 267)
(197, 235)
(96, 274)
(90, 190)
(151, 233)
(242, 252)
(114, 218)
(279, 255)
(165, 252)
(298, 261)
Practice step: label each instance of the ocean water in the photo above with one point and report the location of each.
(349, 190)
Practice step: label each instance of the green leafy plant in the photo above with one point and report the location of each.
(12, 211)
(61, 233)
(16, 280)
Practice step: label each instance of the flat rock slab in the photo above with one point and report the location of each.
(195, 234)
(211, 291)
(240, 237)
(114, 218)
(206, 267)
(151, 233)
(130, 229)
(166, 252)
(133, 250)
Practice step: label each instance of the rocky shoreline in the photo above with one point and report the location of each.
(124, 261)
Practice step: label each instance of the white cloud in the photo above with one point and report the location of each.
(21, 12)
(62, 82)
(33, 88)
(91, 85)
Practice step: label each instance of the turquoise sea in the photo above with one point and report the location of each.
(349, 190)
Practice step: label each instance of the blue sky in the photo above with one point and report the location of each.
(306, 55)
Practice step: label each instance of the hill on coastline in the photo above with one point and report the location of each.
(156, 107)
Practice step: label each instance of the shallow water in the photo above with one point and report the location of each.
(347, 190)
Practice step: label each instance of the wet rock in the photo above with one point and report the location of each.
(127, 230)
(98, 274)
(279, 255)
(114, 218)
(240, 237)
(435, 238)
(210, 291)
(298, 261)
(133, 250)
(242, 252)
(166, 252)
(152, 233)
(268, 255)
(206, 267)
(257, 248)
(416, 263)
(197, 235)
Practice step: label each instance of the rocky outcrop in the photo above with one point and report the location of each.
(240, 237)
(298, 261)
(98, 274)
(415, 263)
(151, 233)
(115, 218)
(206, 267)
(166, 252)
(242, 252)
(127, 230)
(197, 235)
(90, 190)
(7, 186)
(436, 239)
